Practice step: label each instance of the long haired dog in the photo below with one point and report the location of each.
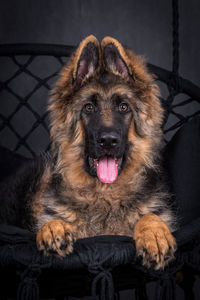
(103, 173)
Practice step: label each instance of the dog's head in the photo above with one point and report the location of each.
(105, 114)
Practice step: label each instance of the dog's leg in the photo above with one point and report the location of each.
(55, 237)
(154, 241)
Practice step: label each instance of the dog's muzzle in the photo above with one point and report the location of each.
(107, 165)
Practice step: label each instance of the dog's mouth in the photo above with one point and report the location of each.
(107, 168)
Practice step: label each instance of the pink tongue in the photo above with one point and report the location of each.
(107, 170)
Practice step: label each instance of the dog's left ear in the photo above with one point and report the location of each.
(115, 58)
(86, 60)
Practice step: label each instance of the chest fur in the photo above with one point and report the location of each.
(104, 217)
(90, 215)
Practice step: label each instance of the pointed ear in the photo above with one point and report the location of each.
(86, 59)
(115, 58)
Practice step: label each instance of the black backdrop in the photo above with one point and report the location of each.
(145, 26)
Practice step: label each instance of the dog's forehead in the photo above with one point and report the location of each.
(105, 93)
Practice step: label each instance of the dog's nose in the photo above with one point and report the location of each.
(108, 139)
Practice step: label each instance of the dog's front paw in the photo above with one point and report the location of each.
(55, 238)
(154, 241)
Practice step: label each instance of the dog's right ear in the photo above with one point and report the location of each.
(86, 60)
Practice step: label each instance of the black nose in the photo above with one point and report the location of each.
(108, 139)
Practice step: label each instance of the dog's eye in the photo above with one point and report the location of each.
(89, 107)
(123, 107)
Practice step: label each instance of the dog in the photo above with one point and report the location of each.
(103, 174)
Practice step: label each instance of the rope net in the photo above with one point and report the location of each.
(29, 72)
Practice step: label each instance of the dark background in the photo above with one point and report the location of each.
(145, 26)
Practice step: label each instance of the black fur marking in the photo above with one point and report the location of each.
(93, 99)
(56, 181)
(49, 211)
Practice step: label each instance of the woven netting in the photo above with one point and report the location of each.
(28, 72)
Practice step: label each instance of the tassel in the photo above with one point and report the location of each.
(166, 289)
(104, 278)
(28, 288)
(140, 291)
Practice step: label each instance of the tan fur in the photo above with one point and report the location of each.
(105, 208)
(154, 240)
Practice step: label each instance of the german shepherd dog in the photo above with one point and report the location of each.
(103, 174)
